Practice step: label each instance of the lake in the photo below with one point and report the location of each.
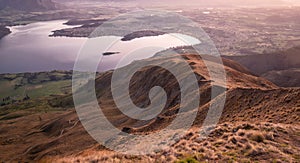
(30, 49)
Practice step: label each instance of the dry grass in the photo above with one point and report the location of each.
(241, 136)
(227, 143)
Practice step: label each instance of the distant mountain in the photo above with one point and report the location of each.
(28, 5)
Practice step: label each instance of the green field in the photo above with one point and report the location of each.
(15, 87)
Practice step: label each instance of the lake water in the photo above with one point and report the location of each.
(30, 49)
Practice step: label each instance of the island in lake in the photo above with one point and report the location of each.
(4, 31)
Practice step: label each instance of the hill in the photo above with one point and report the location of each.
(282, 68)
(284, 78)
(260, 121)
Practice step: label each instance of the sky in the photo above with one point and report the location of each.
(205, 3)
(225, 2)
(192, 3)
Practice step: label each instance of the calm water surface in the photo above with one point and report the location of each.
(30, 49)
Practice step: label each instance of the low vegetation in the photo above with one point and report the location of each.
(16, 88)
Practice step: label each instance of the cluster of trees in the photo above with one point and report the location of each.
(10, 100)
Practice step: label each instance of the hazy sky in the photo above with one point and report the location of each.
(199, 3)
(225, 2)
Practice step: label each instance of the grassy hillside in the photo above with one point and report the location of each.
(259, 123)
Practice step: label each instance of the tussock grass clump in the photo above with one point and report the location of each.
(257, 137)
(188, 160)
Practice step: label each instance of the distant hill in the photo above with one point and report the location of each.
(28, 5)
(281, 68)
